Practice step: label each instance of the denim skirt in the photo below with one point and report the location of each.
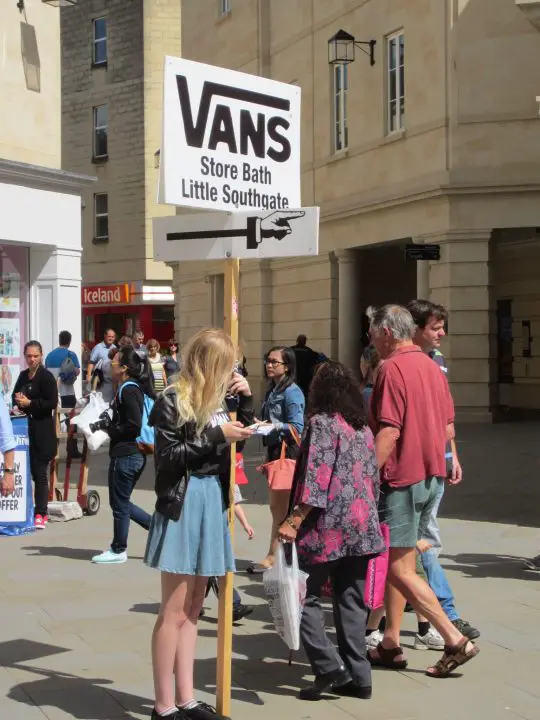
(198, 543)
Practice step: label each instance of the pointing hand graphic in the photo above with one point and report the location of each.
(276, 225)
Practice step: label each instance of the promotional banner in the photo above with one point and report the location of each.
(231, 141)
(17, 508)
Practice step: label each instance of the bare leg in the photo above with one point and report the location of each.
(176, 599)
(403, 582)
(187, 639)
(375, 617)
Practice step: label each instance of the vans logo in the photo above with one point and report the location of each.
(263, 131)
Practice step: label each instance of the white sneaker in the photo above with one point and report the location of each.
(374, 639)
(432, 640)
(109, 557)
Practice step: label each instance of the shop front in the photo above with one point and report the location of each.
(127, 307)
(40, 262)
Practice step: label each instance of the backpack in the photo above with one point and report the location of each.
(68, 371)
(145, 441)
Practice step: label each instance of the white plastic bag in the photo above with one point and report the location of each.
(285, 589)
(90, 414)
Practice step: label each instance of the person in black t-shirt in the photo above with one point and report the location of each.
(306, 362)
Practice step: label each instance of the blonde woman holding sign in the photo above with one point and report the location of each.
(189, 539)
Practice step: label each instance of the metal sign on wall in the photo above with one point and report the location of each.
(254, 235)
(231, 141)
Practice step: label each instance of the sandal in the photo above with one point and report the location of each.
(387, 658)
(257, 568)
(453, 657)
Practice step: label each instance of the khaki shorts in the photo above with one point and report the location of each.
(407, 510)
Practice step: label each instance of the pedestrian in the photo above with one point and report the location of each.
(127, 461)
(283, 408)
(7, 448)
(109, 384)
(334, 522)
(412, 415)
(171, 361)
(64, 365)
(156, 365)
(431, 320)
(36, 395)
(368, 371)
(240, 610)
(138, 343)
(306, 362)
(99, 354)
(189, 539)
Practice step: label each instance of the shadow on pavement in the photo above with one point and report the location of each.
(80, 698)
(66, 552)
(490, 566)
(147, 608)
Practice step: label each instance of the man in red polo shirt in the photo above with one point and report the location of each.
(412, 416)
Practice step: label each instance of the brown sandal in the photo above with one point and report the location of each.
(453, 657)
(387, 658)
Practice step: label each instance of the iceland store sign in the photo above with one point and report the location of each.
(231, 141)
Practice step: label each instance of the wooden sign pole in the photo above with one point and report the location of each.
(224, 649)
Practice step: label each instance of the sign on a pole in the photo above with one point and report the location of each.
(217, 236)
(231, 141)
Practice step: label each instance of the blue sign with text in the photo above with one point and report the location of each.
(17, 508)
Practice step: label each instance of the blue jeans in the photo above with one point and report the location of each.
(432, 532)
(439, 584)
(124, 473)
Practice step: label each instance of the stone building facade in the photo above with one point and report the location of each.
(445, 152)
(40, 204)
(112, 89)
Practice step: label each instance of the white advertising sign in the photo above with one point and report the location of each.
(13, 506)
(246, 235)
(231, 141)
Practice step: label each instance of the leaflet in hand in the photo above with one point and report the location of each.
(262, 428)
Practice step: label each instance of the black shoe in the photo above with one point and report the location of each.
(325, 683)
(466, 629)
(409, 607)
(202, 613)
(351, 689)
(175, 716)
(201, 711)
(241, 611)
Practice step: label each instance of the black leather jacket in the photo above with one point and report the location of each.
(179, 448)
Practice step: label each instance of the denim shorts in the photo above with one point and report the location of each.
(407, 511)
(199, 542)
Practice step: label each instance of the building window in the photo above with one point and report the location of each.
(99, 44)
(396, 82)
(340, 87)
(224, 7)
(101, 131)
(101, 217)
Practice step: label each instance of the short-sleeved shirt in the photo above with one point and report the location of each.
(7, 439)
(438, 357)
(100, 352)
(53, 363)
(412, 395)
(337, 474)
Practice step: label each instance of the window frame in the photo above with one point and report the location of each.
(224, 8)
(95, 129)
(397, 74)
(99, 215)
(101, 40)
(340, 124)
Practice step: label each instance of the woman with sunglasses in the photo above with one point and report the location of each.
(283, 407)
(171, 362)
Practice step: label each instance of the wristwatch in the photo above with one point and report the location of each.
(9, 471)
(292, 524)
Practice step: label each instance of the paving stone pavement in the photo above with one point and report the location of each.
(74, 637)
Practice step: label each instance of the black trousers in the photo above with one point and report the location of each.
(348, 577)
(40, 475)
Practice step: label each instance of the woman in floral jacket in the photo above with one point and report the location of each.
(334, 522)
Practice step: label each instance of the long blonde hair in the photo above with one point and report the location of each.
(207, 364)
